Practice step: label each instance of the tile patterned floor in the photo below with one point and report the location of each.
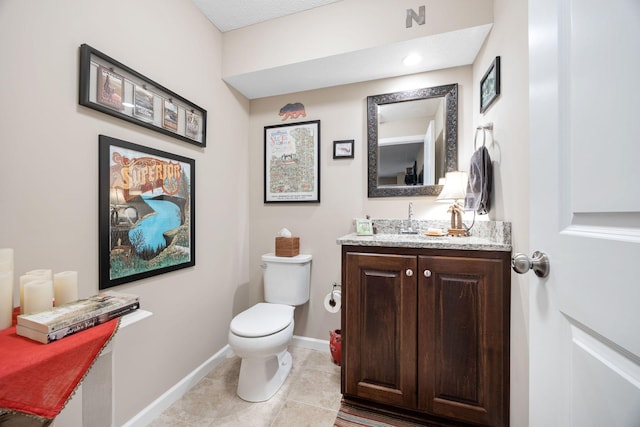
(309, 397)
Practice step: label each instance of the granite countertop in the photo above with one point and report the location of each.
(485, 236)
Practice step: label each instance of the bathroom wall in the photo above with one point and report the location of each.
(343, 26)
(510, 155)
(49, 173)
(343, 184)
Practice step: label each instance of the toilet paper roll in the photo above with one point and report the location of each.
(337, 299)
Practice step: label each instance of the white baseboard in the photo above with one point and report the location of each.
(155, 409)
(311, 343)
(151, 412)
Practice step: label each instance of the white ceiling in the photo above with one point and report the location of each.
(229, 15)
(441, 51)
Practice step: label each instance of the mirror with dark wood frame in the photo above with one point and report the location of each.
(412, 140)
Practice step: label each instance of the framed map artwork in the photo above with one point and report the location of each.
(292, 162)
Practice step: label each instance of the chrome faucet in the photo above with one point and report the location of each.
(409, 229)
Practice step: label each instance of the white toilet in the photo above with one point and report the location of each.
(261, 334)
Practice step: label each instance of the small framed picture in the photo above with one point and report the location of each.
(343, 149)
(364, 227)
(110, 88)
(143, 103)
(490, 85)
(169, 115)
(193, 125)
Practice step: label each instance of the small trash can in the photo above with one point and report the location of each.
(335, 345)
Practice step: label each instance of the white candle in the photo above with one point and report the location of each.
(6, 287)
(45, 274)
(6, 299)
(5, 265)
(31, 276)
(24, 279)
(6, 259)
(65, 287)
(38, 296)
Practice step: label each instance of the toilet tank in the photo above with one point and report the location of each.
(286, 279)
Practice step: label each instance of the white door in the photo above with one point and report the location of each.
(584, 64)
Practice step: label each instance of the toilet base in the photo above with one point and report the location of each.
(261, 378)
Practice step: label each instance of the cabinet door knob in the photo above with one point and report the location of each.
(409, 272)
(427, 273)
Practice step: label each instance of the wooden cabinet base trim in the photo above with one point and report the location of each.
(404, 414)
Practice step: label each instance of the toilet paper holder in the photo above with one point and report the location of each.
(332, 301)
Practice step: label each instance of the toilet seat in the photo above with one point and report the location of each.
(262, 319)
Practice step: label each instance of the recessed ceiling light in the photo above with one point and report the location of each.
(412, 59)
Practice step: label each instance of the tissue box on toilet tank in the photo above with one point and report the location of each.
(287, 246)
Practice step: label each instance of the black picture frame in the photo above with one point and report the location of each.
(146, 212)
(343, 149)
(292, 162)
(490, 85)
(111, 87)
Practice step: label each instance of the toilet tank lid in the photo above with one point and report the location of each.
(298, 259)
(262, 319)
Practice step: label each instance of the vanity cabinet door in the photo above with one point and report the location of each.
(463, 336)
(379, 328)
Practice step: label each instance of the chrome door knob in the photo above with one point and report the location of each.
(409, 272)
(539, 263)
(427, 273)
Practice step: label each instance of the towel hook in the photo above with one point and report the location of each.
(484, 128)
(475, 138)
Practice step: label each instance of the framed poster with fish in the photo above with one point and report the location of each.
(146, 212)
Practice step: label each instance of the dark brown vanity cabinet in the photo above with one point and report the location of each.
(426, 332)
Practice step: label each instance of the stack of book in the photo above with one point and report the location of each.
(67, 319)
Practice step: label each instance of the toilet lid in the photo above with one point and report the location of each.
(262, 319)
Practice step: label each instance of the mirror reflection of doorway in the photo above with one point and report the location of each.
(411, 135)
